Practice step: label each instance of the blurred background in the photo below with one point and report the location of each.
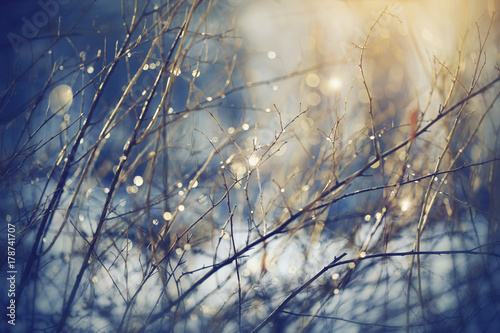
(195, 165)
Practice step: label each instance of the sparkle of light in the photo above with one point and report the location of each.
(405, 205)
(313, 98)
(253, 160)
(138, 180)
(335, 83)
(312, 80)
(60, 98)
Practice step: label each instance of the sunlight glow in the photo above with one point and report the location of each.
(427, 35)
(335, 83)
(405, 204)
